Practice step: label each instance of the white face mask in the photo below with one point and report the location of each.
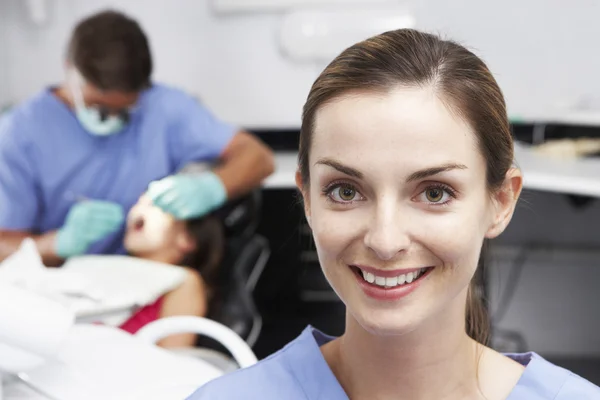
(91, 118)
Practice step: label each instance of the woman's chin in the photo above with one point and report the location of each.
(385, 322)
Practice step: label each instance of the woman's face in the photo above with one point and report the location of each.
(151, 231)
(398, 206)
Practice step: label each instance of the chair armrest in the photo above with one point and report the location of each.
(164, 327)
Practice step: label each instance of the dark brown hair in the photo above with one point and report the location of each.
(112, 52)
(408, 58)
(209, 236)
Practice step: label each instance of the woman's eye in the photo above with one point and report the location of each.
(436, 195)
(344, 194)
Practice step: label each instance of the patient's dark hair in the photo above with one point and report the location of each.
(209, 235)
(112, 52)
(460, 79)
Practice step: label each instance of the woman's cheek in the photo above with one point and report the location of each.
(450, 236)
(157, 227)
(335, 230)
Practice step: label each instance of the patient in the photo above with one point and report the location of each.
(196, 244)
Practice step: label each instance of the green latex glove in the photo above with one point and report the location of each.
(188, 196)
(86, 223)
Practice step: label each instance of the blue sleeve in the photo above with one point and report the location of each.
(214, 390)
(203, 394)
(197, 134)
(578, 388)
(267, 380)
(233, 391)
(19, 202)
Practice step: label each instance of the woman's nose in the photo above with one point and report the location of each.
(387, 233)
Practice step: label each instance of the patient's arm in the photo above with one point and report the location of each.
(11, 240)
(187, 299)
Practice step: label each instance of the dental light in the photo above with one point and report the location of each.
(319, 35)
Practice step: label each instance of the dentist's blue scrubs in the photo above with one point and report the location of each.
(48, 161)
(299, 372)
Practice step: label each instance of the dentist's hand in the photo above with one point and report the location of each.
(86, 223)
(188, 196)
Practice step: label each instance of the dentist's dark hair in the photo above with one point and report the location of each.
(111, 51)
(409, 58)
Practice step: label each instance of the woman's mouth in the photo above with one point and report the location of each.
(388, 285)
(138, 224)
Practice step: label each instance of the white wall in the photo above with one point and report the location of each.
(232, 63)
(4, 94)
(542, 51)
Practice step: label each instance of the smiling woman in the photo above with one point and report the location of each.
(403, 199)
(405, 168)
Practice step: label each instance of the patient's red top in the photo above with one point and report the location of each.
(143, 316)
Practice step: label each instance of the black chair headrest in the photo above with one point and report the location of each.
(241, 216)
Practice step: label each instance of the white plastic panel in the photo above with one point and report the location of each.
(271, 5)
(316, 35)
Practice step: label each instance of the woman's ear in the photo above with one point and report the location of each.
(505, 201)
(305, 198)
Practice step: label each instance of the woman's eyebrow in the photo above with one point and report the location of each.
(428, 172)
(340, 167)
(415, 176)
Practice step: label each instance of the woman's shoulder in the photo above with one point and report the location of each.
(577, 387)
(543, 380)
(266, 380)
(270, 379)
(160, 95)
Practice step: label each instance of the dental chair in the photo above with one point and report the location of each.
(73, 361)
(246, 254)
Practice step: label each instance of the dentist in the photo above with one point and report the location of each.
(75, 157)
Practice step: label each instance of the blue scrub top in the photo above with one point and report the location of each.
(299, 372)
(48, 161)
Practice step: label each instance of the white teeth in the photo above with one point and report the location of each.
(369, 277)
(392, 281)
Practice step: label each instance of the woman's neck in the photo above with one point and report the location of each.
(434, 362)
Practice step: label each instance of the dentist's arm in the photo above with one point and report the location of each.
(244, 164)
(86, 223)
(19, 194)
(11, 240)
